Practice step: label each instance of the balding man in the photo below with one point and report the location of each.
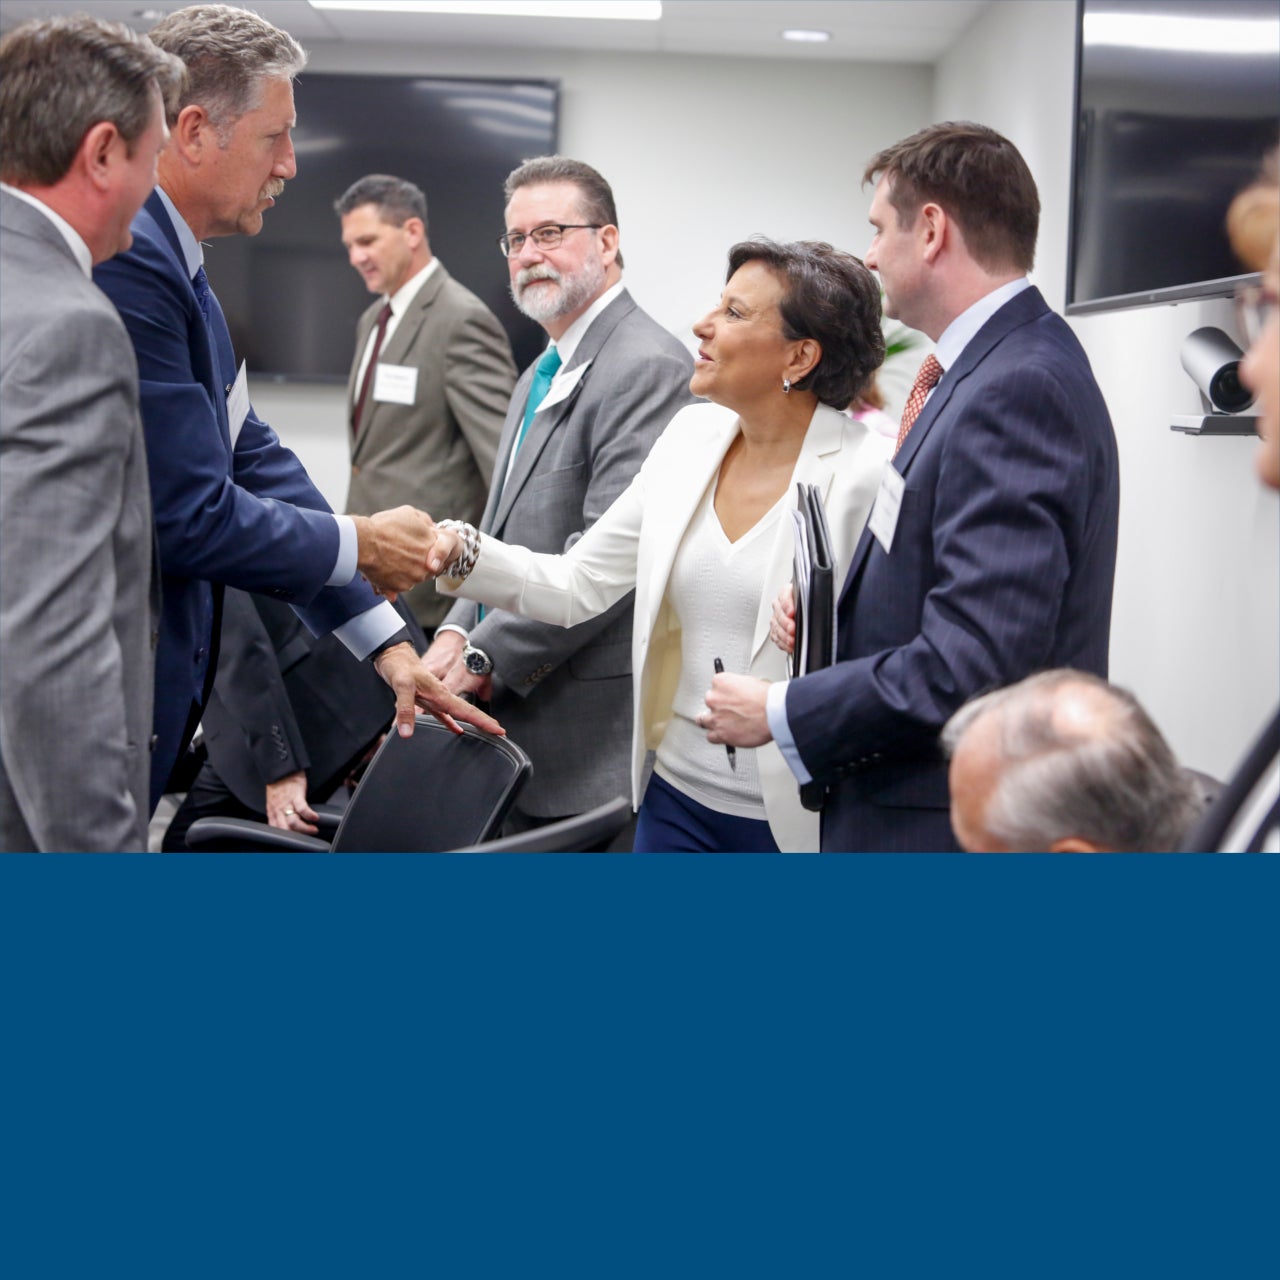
(1063, 762)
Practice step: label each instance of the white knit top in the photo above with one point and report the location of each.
(714, 590)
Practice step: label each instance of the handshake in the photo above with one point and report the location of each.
(400, 548)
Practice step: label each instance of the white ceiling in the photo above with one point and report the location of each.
(862, 30)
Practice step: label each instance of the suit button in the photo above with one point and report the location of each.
(199, 655)
(151, 746)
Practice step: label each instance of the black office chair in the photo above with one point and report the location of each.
(589, 832)
(434, 791)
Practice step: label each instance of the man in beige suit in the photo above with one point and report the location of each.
(432, 373)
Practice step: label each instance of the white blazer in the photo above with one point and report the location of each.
(634, 544)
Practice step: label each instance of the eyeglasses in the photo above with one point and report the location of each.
(1255, 307)
(547, 237)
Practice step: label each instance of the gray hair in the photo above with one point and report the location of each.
(229, 54)
(1079, 757)
(595, 196)
(396, 199)
(61, 76)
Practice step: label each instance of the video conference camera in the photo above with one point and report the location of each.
(1212, 361)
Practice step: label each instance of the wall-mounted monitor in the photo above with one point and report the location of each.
(1176, 103)
(291, 297)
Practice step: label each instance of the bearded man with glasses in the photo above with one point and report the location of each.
(581, 421)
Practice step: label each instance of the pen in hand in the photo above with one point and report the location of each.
(729, 750)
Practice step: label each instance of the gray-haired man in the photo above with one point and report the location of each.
(233, 507)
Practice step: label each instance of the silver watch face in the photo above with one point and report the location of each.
(476, 661)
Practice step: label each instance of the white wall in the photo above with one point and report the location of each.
(700, 152)
(1196, 625)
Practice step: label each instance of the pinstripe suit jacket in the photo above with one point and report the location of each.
(1002, 564)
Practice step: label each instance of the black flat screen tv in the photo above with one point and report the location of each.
(290, 296)
(1176, 103)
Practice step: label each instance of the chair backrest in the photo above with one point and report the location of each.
(434, 791)
(592, 830)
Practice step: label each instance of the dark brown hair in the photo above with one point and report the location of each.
(828, 296)
(978, 177)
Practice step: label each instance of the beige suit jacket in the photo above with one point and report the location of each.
(438, 452)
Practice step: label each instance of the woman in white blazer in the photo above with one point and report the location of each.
(704, 536)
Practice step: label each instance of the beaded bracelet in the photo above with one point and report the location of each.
(470, 548)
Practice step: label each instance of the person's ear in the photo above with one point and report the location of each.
(192, 133)
(933, 227)
(608, 243)
(805, 356)
(1075, 844)
(98, 149)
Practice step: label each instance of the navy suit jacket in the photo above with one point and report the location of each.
(1002, 564)
(248, 517)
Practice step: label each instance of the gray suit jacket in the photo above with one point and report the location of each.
(565, 695)
(78, 598)
(438, 452)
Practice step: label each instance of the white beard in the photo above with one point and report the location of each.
(572, 293)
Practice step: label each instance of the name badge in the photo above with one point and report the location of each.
(564, 383)
(238, 403)
(884, 515)
(395, 383)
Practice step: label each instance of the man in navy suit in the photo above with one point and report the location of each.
(991, 553)
(232, 506)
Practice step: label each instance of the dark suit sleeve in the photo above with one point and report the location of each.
(262, 526)
(996, 537)
(628, 413)
(479, 375)
(250, 728)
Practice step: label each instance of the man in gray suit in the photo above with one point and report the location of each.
(431, 376)
(82, 124)
(581, 422)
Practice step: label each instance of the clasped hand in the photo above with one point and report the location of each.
(393, 548)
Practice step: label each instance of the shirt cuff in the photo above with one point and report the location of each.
(775, 708)
(453, 626)
(366, 631)
(344, 568)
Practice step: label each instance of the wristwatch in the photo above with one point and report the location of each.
(476, 661)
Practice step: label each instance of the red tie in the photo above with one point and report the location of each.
(383, 316)
(926, 380)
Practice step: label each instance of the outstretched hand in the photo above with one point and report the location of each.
(392, 548)
(414, 686)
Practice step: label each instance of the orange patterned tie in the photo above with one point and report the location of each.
(926, 380)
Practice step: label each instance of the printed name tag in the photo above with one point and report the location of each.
(884, 515)
(238, 403)
(564, 383)
(395, 383)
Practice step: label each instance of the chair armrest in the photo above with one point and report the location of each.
(240, 835)
(328, 819)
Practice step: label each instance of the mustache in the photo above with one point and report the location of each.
(539, 271)
(272, 189)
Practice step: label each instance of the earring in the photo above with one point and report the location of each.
(786, 386)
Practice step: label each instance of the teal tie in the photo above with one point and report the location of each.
(543, 374)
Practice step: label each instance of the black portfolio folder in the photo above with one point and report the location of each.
(815, 589)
